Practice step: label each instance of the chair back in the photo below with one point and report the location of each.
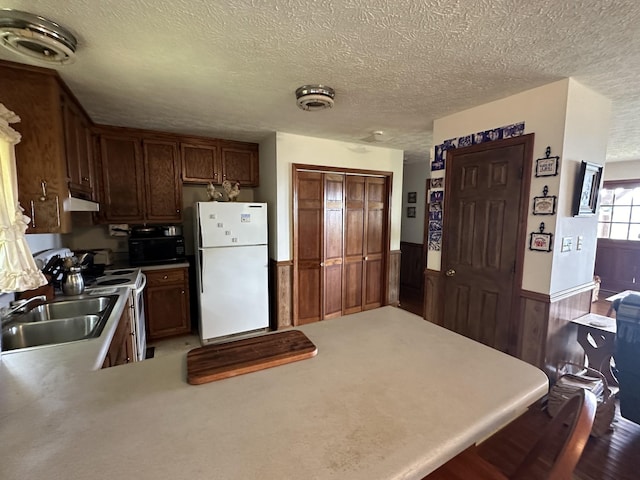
(578, 412)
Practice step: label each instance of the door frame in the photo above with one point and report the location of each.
(525, 191)
(299, 167)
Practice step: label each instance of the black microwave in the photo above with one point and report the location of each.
(156, 250)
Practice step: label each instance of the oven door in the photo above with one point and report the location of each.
(138, 312)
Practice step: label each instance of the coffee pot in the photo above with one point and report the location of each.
(72, 281)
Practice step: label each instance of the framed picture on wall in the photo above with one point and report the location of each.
(411, 212)
(412, 197)
(585, 197)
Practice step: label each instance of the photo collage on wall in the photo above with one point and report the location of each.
(508, 131)
(436, 198)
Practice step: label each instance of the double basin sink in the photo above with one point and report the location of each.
(58, 321)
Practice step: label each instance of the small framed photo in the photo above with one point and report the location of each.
(540, 242)
(547, 167)
(412, 197)
(411, 212)
(544, 205)
(437, 182)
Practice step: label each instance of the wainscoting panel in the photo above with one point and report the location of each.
(433, 296)
(547, 336)
(394, 278)
(411, 267)
(281, 306)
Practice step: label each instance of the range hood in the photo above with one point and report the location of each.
(75, 204)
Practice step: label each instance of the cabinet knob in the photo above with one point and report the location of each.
(85, 179)
(183, 292)
(164, 277)
(178, 210)
(366, 258)
(450, 273)
(322, 264)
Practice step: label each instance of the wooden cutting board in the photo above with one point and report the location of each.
(224, 360)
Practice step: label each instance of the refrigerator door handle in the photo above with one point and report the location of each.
(200, 271)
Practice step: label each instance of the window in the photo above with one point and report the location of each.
(619, 215)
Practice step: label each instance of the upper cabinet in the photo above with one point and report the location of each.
(219, 160)
(78, 145)
(53, 158)
(140, 181)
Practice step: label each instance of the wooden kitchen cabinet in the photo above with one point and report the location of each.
(122, 344)
(78, 145)
(53, 155)
(218, 160)
(239, 163)
(167, 302)
(140, 179)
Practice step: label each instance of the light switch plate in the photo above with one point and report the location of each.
(567, 244)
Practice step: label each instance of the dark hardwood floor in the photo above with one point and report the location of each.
(613, 456)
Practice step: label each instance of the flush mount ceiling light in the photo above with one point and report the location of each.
(376, 136)
(36, 37)
(315, 97)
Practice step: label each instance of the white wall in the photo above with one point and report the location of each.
(415, 176)
(628, 170)
(543, 111)
(317, 151)
(586, 133)
(268, 189)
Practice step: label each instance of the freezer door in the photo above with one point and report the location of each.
(233, 291)
(232, 224)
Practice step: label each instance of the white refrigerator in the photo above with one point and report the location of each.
(232, 267)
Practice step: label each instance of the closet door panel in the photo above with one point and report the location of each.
(333, 244)
(374, 244)
(354, 243)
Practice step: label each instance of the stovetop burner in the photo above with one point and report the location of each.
(121, 272)
(113, 281)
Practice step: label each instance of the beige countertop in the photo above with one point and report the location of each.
(389, 396)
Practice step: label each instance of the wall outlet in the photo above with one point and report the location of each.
(579, 242)
(567, 244)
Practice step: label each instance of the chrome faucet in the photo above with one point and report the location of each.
(17, 306)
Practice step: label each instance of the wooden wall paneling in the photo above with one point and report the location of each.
(534, 318)
(562, 343)
(433, 293)
(395, 259)
(411, 269)
(333, 244)
(281, 294)
(354, 243)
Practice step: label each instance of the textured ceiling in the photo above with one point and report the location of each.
(229, 68)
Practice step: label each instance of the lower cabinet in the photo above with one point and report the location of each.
(166, 301)
(121, 348)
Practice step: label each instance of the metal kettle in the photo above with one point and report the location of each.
(72, 282)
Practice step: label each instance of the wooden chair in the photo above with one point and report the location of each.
(573, 421)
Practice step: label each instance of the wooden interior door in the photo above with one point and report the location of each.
(331, 263)
(340, 244)
(354, 243)
(374, 242)
(485, 214)
(308, 247)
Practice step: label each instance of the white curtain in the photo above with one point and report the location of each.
(18, 271)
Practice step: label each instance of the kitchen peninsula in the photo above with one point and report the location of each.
(388, 396)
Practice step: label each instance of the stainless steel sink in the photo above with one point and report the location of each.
(66, 309)
(65, 330)
(58, 322)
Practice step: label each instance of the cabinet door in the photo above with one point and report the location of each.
(200, 162)
(240, 163)
(167, 303)
(77, 135)
(122, 179)
(121, 347)
(162, 180)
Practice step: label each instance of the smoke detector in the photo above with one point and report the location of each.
(315, 97)
(36, 37)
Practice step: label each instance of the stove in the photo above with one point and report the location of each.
(135, 281)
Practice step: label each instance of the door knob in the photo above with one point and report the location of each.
(450, 273)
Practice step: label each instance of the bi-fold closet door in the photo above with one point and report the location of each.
(340, 244)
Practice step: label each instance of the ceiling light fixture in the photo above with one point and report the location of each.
(36, 37)
(315, 97)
